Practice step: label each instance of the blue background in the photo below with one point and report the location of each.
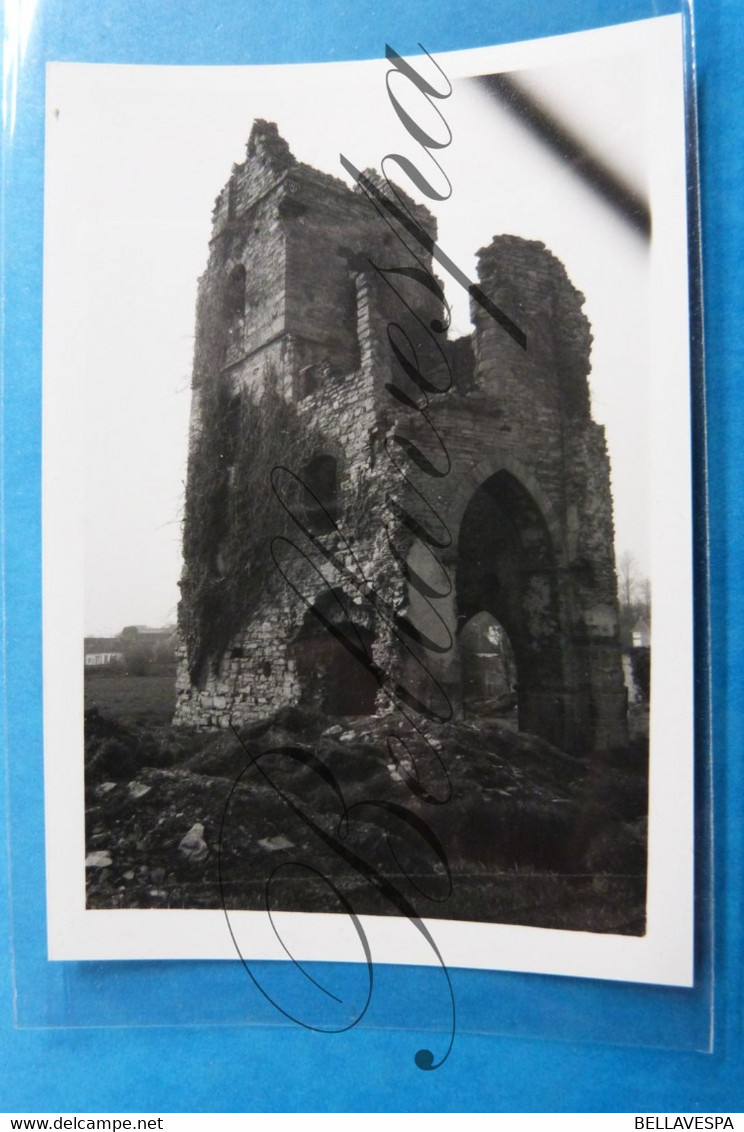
(551, 1048)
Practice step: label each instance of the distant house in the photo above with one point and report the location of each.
(135, 643)
(155, 644)
(641, 634)
(134, 632)
(102, 650)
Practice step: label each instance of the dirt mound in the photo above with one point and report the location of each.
(467, 820)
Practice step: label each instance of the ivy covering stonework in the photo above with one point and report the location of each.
(232, 514)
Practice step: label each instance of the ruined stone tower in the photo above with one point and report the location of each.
(369, 503)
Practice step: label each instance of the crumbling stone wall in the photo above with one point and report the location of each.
(424, 445)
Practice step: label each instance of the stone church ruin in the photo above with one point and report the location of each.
(377, 516)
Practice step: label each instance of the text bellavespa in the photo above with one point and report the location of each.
(696, 1122)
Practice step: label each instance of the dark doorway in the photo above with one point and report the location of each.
(506, 568)
(333, 657)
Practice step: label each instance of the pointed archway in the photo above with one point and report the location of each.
(489, 668)
(506, 567)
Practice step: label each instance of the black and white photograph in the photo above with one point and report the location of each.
(367, 563)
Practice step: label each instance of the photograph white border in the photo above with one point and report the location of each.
(664, 955)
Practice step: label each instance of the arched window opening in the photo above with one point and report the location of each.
(320, 477)
(231, 420)
(489, 668)
(235, 307)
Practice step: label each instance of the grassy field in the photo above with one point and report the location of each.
(132, 699)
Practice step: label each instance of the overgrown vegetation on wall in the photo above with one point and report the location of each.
(232, 514)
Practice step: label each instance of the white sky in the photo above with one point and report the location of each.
(136, 156)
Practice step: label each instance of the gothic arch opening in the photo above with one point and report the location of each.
(333, 656)
(506, 569)
(489, 667)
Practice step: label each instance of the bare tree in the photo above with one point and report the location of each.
(645, 594)
(634, 593)
(626, 568)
